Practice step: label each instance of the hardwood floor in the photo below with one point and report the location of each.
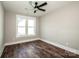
(36, 49)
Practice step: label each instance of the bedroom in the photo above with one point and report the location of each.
(39, 29)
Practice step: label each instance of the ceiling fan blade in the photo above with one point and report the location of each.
(45, 3)
(41, 9)
(34, 11)
(36, 3)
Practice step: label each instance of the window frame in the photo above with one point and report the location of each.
(26, 27)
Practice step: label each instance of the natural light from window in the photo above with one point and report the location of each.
(26, 26)
(31, 26)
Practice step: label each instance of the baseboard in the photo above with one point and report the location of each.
(21, 41)
(63, 47)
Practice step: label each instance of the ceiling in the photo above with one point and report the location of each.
(19, 7)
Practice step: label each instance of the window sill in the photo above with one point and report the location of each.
(26, 36)
(31, 35)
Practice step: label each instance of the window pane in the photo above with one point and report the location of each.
(21, 22)
(31, 23)
(31, 31)
(21, 31)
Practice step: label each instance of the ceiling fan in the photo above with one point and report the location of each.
(38, 7)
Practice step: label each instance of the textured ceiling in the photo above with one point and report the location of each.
(19, 7)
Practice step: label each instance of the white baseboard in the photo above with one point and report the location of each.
(21, 41)
(63, 47)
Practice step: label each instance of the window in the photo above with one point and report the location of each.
(31, 26)
(26, 26)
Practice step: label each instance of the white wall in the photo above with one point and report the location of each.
(62, 26)
(1, 29)
(10, 28)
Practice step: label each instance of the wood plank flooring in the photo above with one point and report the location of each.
(36, 49)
